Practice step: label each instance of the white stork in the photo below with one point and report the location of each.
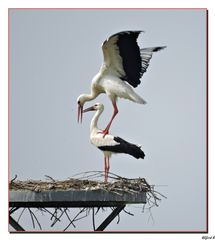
(123, 66)
(109, 144)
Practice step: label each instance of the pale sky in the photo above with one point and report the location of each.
(55, 54)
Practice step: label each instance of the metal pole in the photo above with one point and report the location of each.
(15, 225)
(109, 219)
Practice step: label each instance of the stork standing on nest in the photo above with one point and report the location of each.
(123, 66)
(109, 144)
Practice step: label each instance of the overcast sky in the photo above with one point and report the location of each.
(55, 54)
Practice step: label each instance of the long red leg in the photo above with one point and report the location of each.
(106, 130)
(105, 168)
(108, 166)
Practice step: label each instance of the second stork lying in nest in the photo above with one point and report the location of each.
(109, 144)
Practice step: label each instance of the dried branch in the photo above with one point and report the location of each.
(86, 214)
(71, 222)
(33, 216)
(12, 180)
(74, 219)
(32, 219)
(118, 216)
(21, 214)
(58, 219)
(52, 215)
(131, 214)
(50, 178)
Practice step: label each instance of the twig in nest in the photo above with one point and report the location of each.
(87, 210)
(55, 214)
(74, 219)
(143, 208)
(127, 212)
(32, 219)
(13, 179)
(33, 216)
(156, 192)
(50, 178)
(21, 214)
(58, 219)
(118, 216)
(52, 215)
(150, 215)
(97, 210)
(71, 221)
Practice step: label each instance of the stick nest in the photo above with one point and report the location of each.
(84, 181)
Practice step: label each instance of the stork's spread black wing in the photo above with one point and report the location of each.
(123, 55)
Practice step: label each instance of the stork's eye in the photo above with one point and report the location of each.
(79, 102)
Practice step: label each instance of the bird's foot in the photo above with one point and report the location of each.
(105, 132)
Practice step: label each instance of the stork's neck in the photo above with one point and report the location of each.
(94, 121)
(94, 90)
(91, 96)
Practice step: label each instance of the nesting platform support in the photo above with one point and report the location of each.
(74, 199)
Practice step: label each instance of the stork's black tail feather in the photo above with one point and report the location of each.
(129, 148)
(124, 147)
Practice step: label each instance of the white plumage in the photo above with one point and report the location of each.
(109, 144)
(123, 66)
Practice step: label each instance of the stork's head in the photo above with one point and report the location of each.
(81, 101)
(95, 107)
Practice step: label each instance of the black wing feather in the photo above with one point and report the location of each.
(135, 61)
(124, 147)
(131, 57)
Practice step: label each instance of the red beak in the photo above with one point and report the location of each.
(89, 109)
(80, 113)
